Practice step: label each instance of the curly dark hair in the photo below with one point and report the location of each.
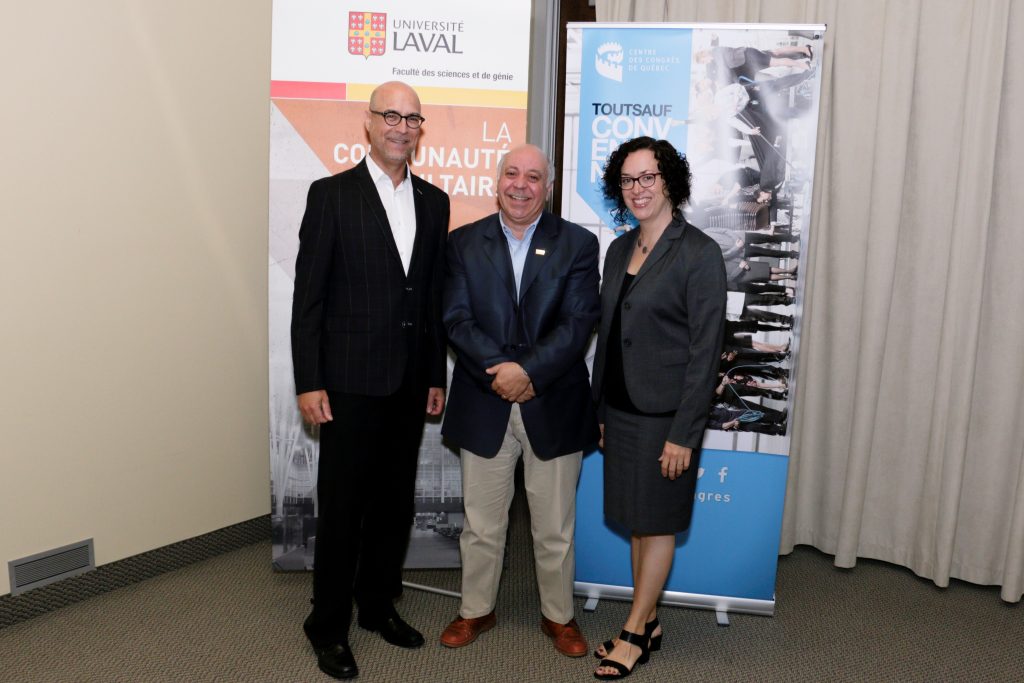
(672, 165)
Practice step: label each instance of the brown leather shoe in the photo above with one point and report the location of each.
(567, 637)
(462, 632)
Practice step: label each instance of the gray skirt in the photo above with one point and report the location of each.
(636, 496)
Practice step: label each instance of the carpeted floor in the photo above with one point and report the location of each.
(231, 618)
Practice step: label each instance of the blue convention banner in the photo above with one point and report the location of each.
(741, 102)
(623, 96)
(732, 546)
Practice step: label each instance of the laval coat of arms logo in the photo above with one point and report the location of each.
(367, 33)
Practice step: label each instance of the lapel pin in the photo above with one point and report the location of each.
(539, 252)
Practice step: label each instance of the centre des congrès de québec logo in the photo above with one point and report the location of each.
(367, 33)
(608, 61)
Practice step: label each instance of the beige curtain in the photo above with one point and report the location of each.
(908, 433)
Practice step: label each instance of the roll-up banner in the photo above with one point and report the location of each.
(741, 101)
(472, 80)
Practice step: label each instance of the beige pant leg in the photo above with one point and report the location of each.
(487, 488)
(551, 493)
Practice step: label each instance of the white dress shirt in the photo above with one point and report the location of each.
(400, 208)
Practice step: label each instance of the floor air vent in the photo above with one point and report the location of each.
(52, 565)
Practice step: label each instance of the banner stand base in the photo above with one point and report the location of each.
(721, 604)
(431, 589)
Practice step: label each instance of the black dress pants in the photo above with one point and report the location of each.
(365, 488)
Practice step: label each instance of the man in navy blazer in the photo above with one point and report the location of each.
(520, 303)
(369, 356)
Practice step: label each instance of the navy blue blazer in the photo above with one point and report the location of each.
(358, 320)
(546, 330)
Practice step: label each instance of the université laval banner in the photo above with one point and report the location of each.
(469, 63)
(741, 101)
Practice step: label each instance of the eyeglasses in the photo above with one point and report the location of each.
(646, 180)
(393, 117)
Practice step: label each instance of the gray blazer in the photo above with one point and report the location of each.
(673, 317)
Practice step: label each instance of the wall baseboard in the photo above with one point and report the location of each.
(108, 577)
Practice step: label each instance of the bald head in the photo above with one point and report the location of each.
(385, 91)
(536, 154)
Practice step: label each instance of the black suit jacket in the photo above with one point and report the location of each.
(546, 331)
(357, 319)
(672, 321)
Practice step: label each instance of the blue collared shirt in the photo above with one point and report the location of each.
(518, 249)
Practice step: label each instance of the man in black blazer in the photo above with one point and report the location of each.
(520, 303)
(369, 355)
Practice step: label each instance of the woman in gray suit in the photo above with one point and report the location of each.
(662, 317)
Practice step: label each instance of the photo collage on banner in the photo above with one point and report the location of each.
(327, 57)
(741, 101)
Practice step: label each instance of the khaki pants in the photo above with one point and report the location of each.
(487, 486)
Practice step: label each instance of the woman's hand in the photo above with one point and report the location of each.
(674, 460)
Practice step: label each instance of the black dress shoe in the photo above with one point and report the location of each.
(336, 661)
(394, 630)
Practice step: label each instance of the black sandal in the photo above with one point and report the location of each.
(608, 646)
(639, 640)
(655, 641)
(654, 644)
